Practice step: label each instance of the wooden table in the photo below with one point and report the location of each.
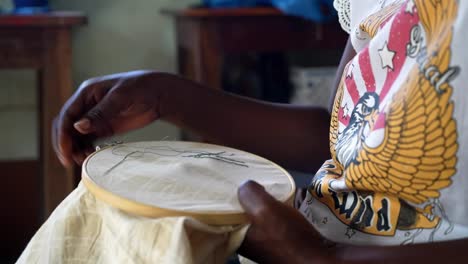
(205, 35)
(35, 188)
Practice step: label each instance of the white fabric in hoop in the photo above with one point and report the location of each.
(181, 176)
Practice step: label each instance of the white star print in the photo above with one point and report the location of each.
(409, 7)
(345, 111)
(387, 56)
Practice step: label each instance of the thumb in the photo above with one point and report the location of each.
(98, 119)
(255, 199)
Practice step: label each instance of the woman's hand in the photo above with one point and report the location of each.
(118, 103)
(278, 233)
(104, 106)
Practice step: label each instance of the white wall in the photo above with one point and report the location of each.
(121, 35)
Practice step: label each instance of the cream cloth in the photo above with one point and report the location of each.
(164, 178)
(85, 230)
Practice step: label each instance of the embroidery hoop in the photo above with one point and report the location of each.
(101, 190)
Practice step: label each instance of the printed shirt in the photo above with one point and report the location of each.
(398, 134)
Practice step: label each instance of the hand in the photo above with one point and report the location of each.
(278, 233)
(105, 106)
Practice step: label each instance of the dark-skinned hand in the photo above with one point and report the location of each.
(278, 232)
(102, 107)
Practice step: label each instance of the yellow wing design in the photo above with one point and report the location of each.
(334, 124)
(418, 155)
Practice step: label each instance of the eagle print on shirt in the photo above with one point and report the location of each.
(394, 146)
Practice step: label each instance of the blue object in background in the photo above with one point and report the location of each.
(31, 6)
(316, 10)
(234, 3)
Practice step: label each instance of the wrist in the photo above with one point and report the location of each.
(167, 93)
(180, 100)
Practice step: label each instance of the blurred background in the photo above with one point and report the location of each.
(109, 36)
(121, 35)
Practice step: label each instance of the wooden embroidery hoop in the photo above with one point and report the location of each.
(151, 211)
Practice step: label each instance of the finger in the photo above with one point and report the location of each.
(73, 109)
(99, 119)
(55, 143)
(83, 126)
(64, 133)
(79, 157)
(249, 246)
(255, 200)
(81, 147)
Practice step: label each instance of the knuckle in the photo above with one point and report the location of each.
(88, 84)
(90, 81)
(85, 85)
(96, 115)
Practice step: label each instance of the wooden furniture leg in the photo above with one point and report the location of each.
(55, 89)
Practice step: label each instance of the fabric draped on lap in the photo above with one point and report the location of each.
(85, 230)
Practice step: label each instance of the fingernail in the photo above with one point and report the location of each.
(252, 184)
(83, 125)
(250, 187)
